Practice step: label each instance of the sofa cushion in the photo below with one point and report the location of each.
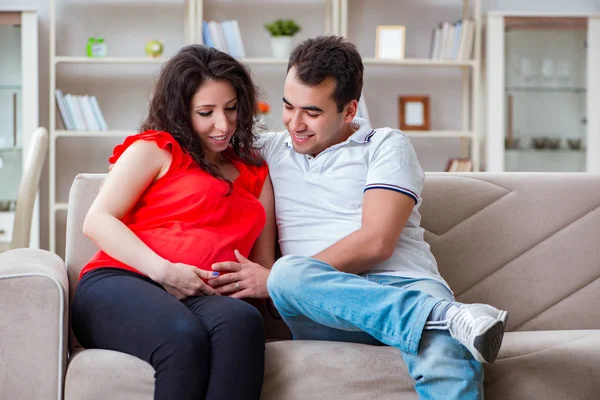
(542, 364)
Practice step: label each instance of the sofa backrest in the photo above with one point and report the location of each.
(528, 243)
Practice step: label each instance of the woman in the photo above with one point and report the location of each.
(183, 194)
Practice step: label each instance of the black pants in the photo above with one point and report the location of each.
(201, 348)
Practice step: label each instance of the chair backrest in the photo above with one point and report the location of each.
(526, 243)
(28, 188)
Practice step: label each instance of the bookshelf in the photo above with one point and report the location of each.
(126, 69)
(358, 21)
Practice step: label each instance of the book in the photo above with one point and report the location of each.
(224, 36)
(207, 38)
(98, 113)
(86, 113)
(64, 112)
(452, 41)
(459, 165)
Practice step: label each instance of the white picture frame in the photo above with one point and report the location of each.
(390, 42)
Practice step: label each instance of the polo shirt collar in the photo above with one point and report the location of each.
(362, 135)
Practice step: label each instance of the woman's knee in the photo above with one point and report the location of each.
(184, 338)
(241, 316)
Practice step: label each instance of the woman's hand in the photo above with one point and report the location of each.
(183, 280)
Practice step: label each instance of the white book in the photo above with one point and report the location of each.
(468, 54)
(449, 42)
(75, 113)
(87, 116)
(445, 29)
(64, 113)
(229, 37)
(216, 35)
(437, 43)
(77, 106)
(238, 38)
(456, 39)
(98, 113)
(463, 39)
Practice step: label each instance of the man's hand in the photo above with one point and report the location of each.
(241, 279)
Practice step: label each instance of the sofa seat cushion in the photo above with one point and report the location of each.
(106, 374)
(539, 364)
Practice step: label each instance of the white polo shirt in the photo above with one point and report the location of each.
(318, 200)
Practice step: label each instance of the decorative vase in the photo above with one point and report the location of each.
(281, 46)
(154, 48)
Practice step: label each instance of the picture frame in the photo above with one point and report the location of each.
(390, 42)
(414, 113)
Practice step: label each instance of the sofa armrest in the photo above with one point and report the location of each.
(33, 324)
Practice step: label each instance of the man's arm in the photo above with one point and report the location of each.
(393, 186)
(384, 215)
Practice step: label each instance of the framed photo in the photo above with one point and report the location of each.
(390, 42)
(414, 113)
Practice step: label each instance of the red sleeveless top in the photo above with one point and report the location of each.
(187, 216)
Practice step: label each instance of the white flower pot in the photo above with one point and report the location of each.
(281, 46)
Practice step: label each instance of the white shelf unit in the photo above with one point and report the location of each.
(315, 16)
(496, 73)
(107, 60)
(469, 132)
(59, 136)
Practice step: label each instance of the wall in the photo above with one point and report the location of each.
(134, 87)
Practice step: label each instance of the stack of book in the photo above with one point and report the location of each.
(224, 36)
(453, 41)
(80, 113)
(459, 165)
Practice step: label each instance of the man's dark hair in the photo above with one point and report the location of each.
(330, 56)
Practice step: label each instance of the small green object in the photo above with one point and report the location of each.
(96, 47)
(154, 48)
(282, 27)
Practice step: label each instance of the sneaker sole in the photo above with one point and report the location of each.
(503, 316)
(488, 343)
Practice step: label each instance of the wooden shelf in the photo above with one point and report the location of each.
(373, 61)
(61, 206)
(264, 60)
(108, 60)
(115, 133)
(422, 62)
(439, 134)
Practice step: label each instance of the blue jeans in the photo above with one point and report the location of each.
(318, 302)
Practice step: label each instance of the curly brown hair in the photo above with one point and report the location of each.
(179, 80)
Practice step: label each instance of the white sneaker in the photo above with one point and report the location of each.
(480, 328)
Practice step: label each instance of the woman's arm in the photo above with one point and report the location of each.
(263, 251)
(135, 170)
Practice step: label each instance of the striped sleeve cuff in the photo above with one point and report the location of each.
(394, 188)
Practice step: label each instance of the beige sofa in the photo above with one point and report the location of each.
(527, 243)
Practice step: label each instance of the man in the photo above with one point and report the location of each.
(356, 266)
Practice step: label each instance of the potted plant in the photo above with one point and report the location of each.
(281, 31)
